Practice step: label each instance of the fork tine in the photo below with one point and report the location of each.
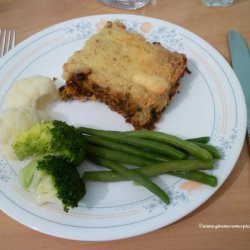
(13, 39)
(7, 45)
(7, 41)
(3, 43)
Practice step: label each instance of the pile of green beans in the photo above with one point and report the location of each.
(149, 153)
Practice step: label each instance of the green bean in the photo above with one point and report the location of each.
(175, 141)
(203, 139)
(120, 147)
(152, 170)
(135, 176)
(117, 156)
(197, 177)
(212, 149)
(110, 176)
(137, 142)
(150, 142)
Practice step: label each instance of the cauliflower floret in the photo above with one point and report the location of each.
(34, 92)
(14, 121)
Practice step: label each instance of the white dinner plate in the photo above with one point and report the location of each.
(210, 102)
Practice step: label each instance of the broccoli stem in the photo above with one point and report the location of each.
(26, 174)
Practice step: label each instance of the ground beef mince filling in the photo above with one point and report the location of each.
(79, 87)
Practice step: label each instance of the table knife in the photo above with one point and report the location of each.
(240, 58)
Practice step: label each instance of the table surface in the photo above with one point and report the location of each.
(230, 205)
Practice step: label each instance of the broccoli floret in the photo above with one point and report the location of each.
(53, 179)
(52, 138)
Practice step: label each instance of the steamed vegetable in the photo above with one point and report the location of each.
(55, 145)
(199, 155)
(52, 138)
(172, 140)
(171, 167)
(129, 149)
(52, 179)
(15, 121)
(134, 175)
(117, 156)
(34, 92)
(153, 146)
(155, 142)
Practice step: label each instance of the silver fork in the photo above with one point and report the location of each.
(7, 40)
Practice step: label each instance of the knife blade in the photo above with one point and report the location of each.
(240, 58)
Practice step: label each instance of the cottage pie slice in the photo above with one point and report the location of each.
(120, 68)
